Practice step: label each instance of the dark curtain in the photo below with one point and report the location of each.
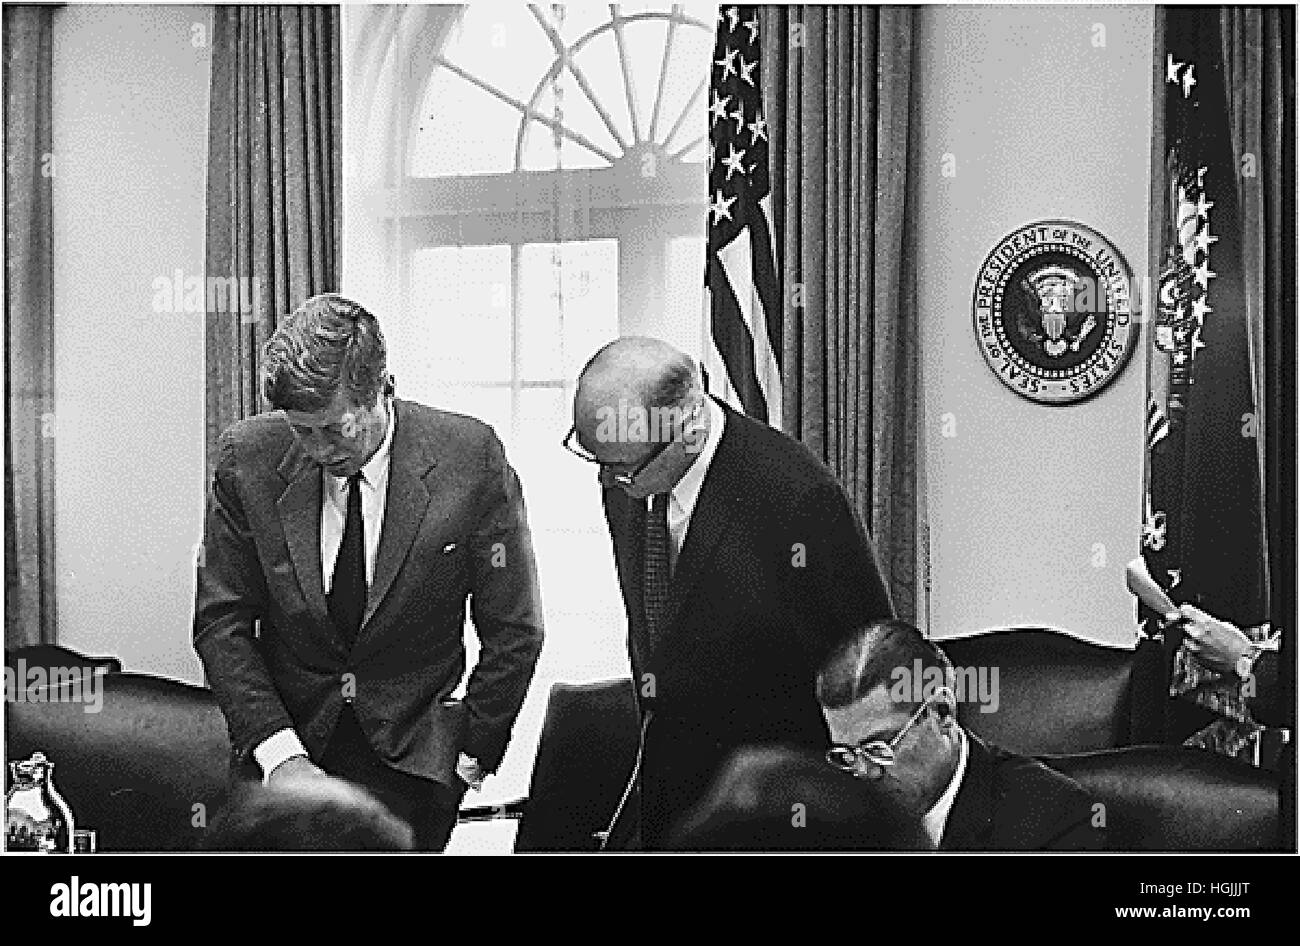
(274, 187)
(1259, 50)
(29, 366)
(838, 92)
(1220, 499)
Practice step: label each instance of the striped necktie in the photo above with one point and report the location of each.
(656, 570)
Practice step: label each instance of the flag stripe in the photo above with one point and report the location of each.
(765, 275)
(735, 343)
(737, 261)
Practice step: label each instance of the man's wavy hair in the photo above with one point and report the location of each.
(328, 343)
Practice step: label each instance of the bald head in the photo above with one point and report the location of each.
(635, 370)
(639, 412)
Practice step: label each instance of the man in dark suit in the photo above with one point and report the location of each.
(344, 532)
(970, 795)
(741, 563)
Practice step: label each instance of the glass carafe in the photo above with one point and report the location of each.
(37, 819)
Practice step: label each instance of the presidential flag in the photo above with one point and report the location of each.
(742, 294)
(1203, 535)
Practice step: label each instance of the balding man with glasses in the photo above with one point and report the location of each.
(902, 734)
(741, 564)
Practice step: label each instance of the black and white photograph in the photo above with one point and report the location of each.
(649, 429)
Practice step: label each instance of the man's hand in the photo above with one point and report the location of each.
(1217, 644)
(295, 767)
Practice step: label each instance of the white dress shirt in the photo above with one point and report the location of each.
(936, 819)
(683, 496)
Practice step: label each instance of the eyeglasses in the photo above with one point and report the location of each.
(624, 479)
(877, 751)
(627, 478)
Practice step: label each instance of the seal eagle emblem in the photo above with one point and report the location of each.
(1054, 311)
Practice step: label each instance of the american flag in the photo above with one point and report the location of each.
(1204, 535)
(742, 295)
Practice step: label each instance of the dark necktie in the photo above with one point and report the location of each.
(656, 570)
(347, 597)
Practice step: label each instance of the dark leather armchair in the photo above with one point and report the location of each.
(1172, 798)
(147, 770)
(584, 758)
(1060, 694)
(52, 656)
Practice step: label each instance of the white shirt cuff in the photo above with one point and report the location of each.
(470, 772)
(277, 748)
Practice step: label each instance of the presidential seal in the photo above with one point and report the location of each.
(1054, 311)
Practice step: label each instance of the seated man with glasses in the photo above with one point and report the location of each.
(969, 794)
(741, 563)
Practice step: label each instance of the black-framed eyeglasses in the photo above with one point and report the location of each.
(878, 751)
(624, 479)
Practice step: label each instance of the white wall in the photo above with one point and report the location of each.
(130, 137)
(1042, 124)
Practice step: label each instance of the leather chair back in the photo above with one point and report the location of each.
(52, 656)
(584, 758)
(1061, 694)
(1173, 798)
(136, 770)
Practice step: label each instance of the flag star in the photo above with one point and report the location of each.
(1200, 309)
(1180, 335)
(1200, 176)
(1180, 357)
(1188, 80)
(752, 26)
(1172, 66)
(1203, 206)
(733, 15)
(747, 70)
(727, 63)
(1204, 274)
(732, 161)
(739, 116)
(1203, 240)
(758, 129)
(1196, 341)
(718, 109)
(1175, 576)
(721, 207)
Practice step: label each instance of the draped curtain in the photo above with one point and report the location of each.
(29, 366)
(1220, 490)
(837, 90)
(1259, 56)
(274, 187)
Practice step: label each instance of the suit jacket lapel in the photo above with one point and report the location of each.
(970, 822)
(713, 516)
(299, 508)
(404, 508)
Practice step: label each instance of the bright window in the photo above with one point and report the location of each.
(522, 192)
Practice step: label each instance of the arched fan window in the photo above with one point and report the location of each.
(523, 184)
